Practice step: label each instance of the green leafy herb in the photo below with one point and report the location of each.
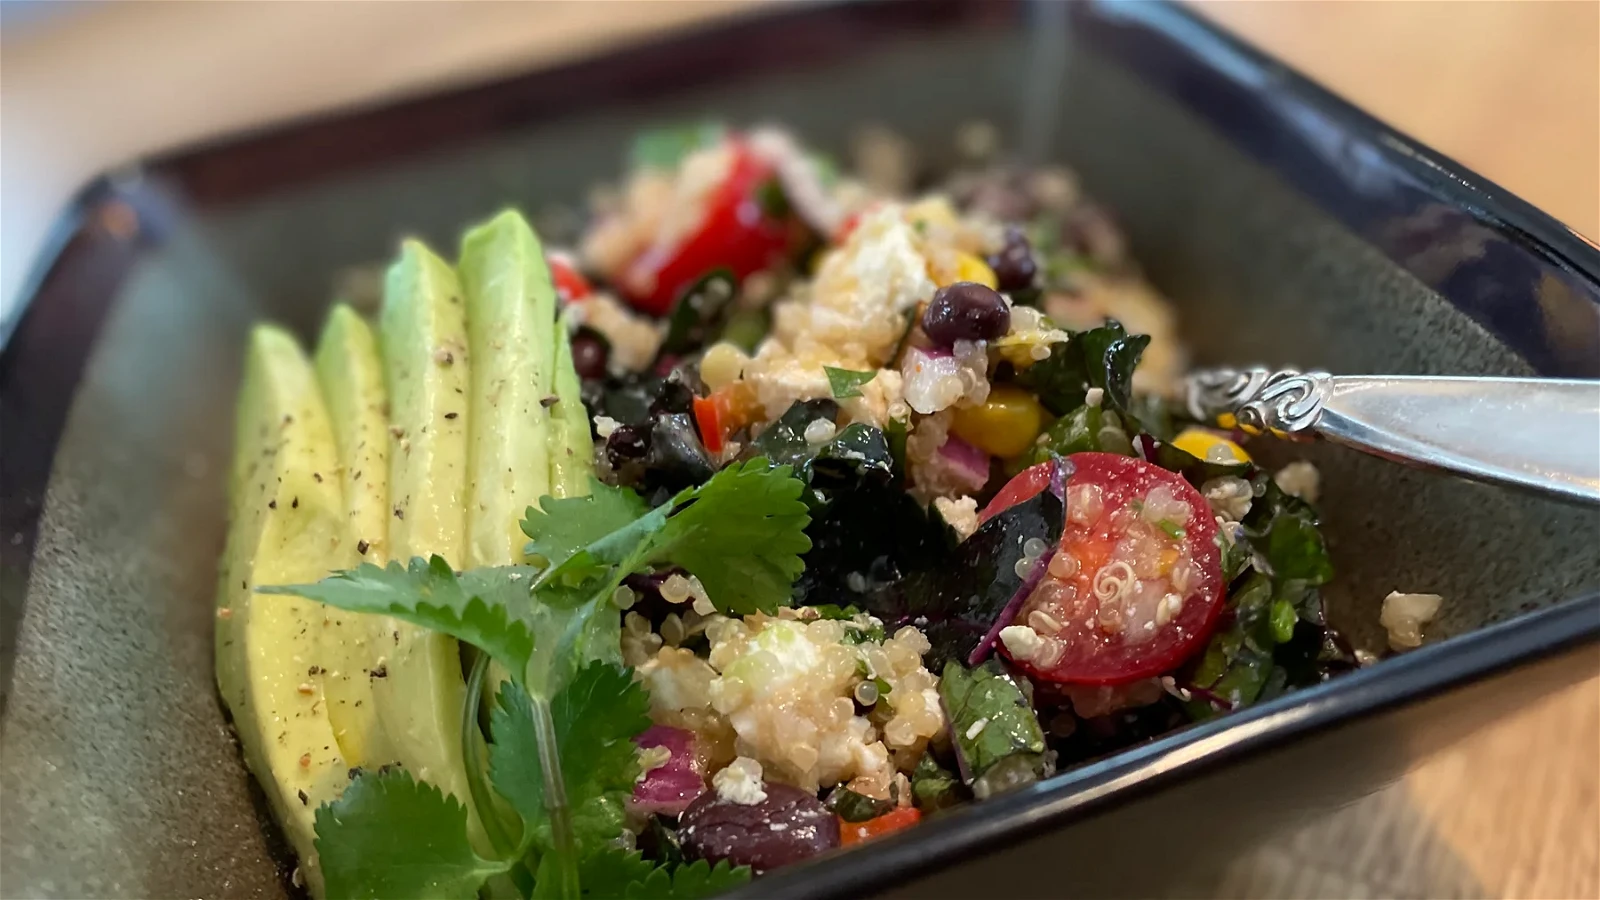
(853, 807)
(562, 756)
(388, 836)
(742, 534)
(933, 787)
(594, 719)
(835, 611)
(562, 527)
(846, 383)
(478, 607)
(990, 718)
(1102, 358)
(665, 148)
(692, 881)
(700, 312)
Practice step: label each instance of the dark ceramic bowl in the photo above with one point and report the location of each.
(1288, 227)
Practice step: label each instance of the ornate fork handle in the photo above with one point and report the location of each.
(1287, 402)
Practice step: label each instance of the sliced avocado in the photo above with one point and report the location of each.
(286, 526)
(571, 447)
(511, 314)
(350, 372)
(417, 680)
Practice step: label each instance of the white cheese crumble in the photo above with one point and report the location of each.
(1022, 642)
(740, 782)
(961, 514)
(1300, 479)
(1094, 396)
(977, 728)
(604, 426)
(1404, 616)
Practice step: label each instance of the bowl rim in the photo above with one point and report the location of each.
(117, 217)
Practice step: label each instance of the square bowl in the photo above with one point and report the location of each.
(1286, 225)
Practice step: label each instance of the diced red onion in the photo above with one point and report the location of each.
(969, 464)
(671, 787)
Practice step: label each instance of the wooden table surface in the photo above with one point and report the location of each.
(1510, 89)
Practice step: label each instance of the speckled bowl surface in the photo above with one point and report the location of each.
(1288, 228)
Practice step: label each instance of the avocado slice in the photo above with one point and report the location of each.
(511, 314)
(571, 447)
(417, 681)
(350, 372)
(286, 526)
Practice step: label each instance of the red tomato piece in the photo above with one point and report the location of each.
(856, 832)
(1137, 586)
(708, 416)
(735, 234)
(569, 282)
(723, 413)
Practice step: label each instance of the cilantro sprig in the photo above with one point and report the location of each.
(742, 534)
(562, 757)
(846, 383)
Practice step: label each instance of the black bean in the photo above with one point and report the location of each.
(627, 442)
(672, 397)
(787, 827)
(1014, 266)
(966, 311)
(589, 354)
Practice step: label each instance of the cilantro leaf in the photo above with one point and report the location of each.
(567, 637)
(593, 721)
(742, 534)
(559, 528)
(846, 383)
(608, 873)
(688, 882)
(392, 837)
(481, 607)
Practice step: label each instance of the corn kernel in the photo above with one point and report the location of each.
(971, 268)
(722, 365)
(1199, 443)
(1005, 425)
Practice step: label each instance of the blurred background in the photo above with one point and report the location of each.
(1511, 89)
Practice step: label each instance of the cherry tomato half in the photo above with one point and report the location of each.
(1137, 585)
(569, 282)
(735, 234)
(856, 832)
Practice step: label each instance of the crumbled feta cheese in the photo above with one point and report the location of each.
(1022, 642)
(1094, 396)
(1229, 495)
(819, 431)
(740, 782)
(960, 513)
(1404, 616)
(1300, 479)
(604, 426)
(977, 728)
(634, 339)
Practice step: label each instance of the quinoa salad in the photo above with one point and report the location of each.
(785, 505)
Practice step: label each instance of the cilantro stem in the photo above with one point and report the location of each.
(472, 751)
(562, 842)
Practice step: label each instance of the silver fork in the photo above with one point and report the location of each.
(1537, 433)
